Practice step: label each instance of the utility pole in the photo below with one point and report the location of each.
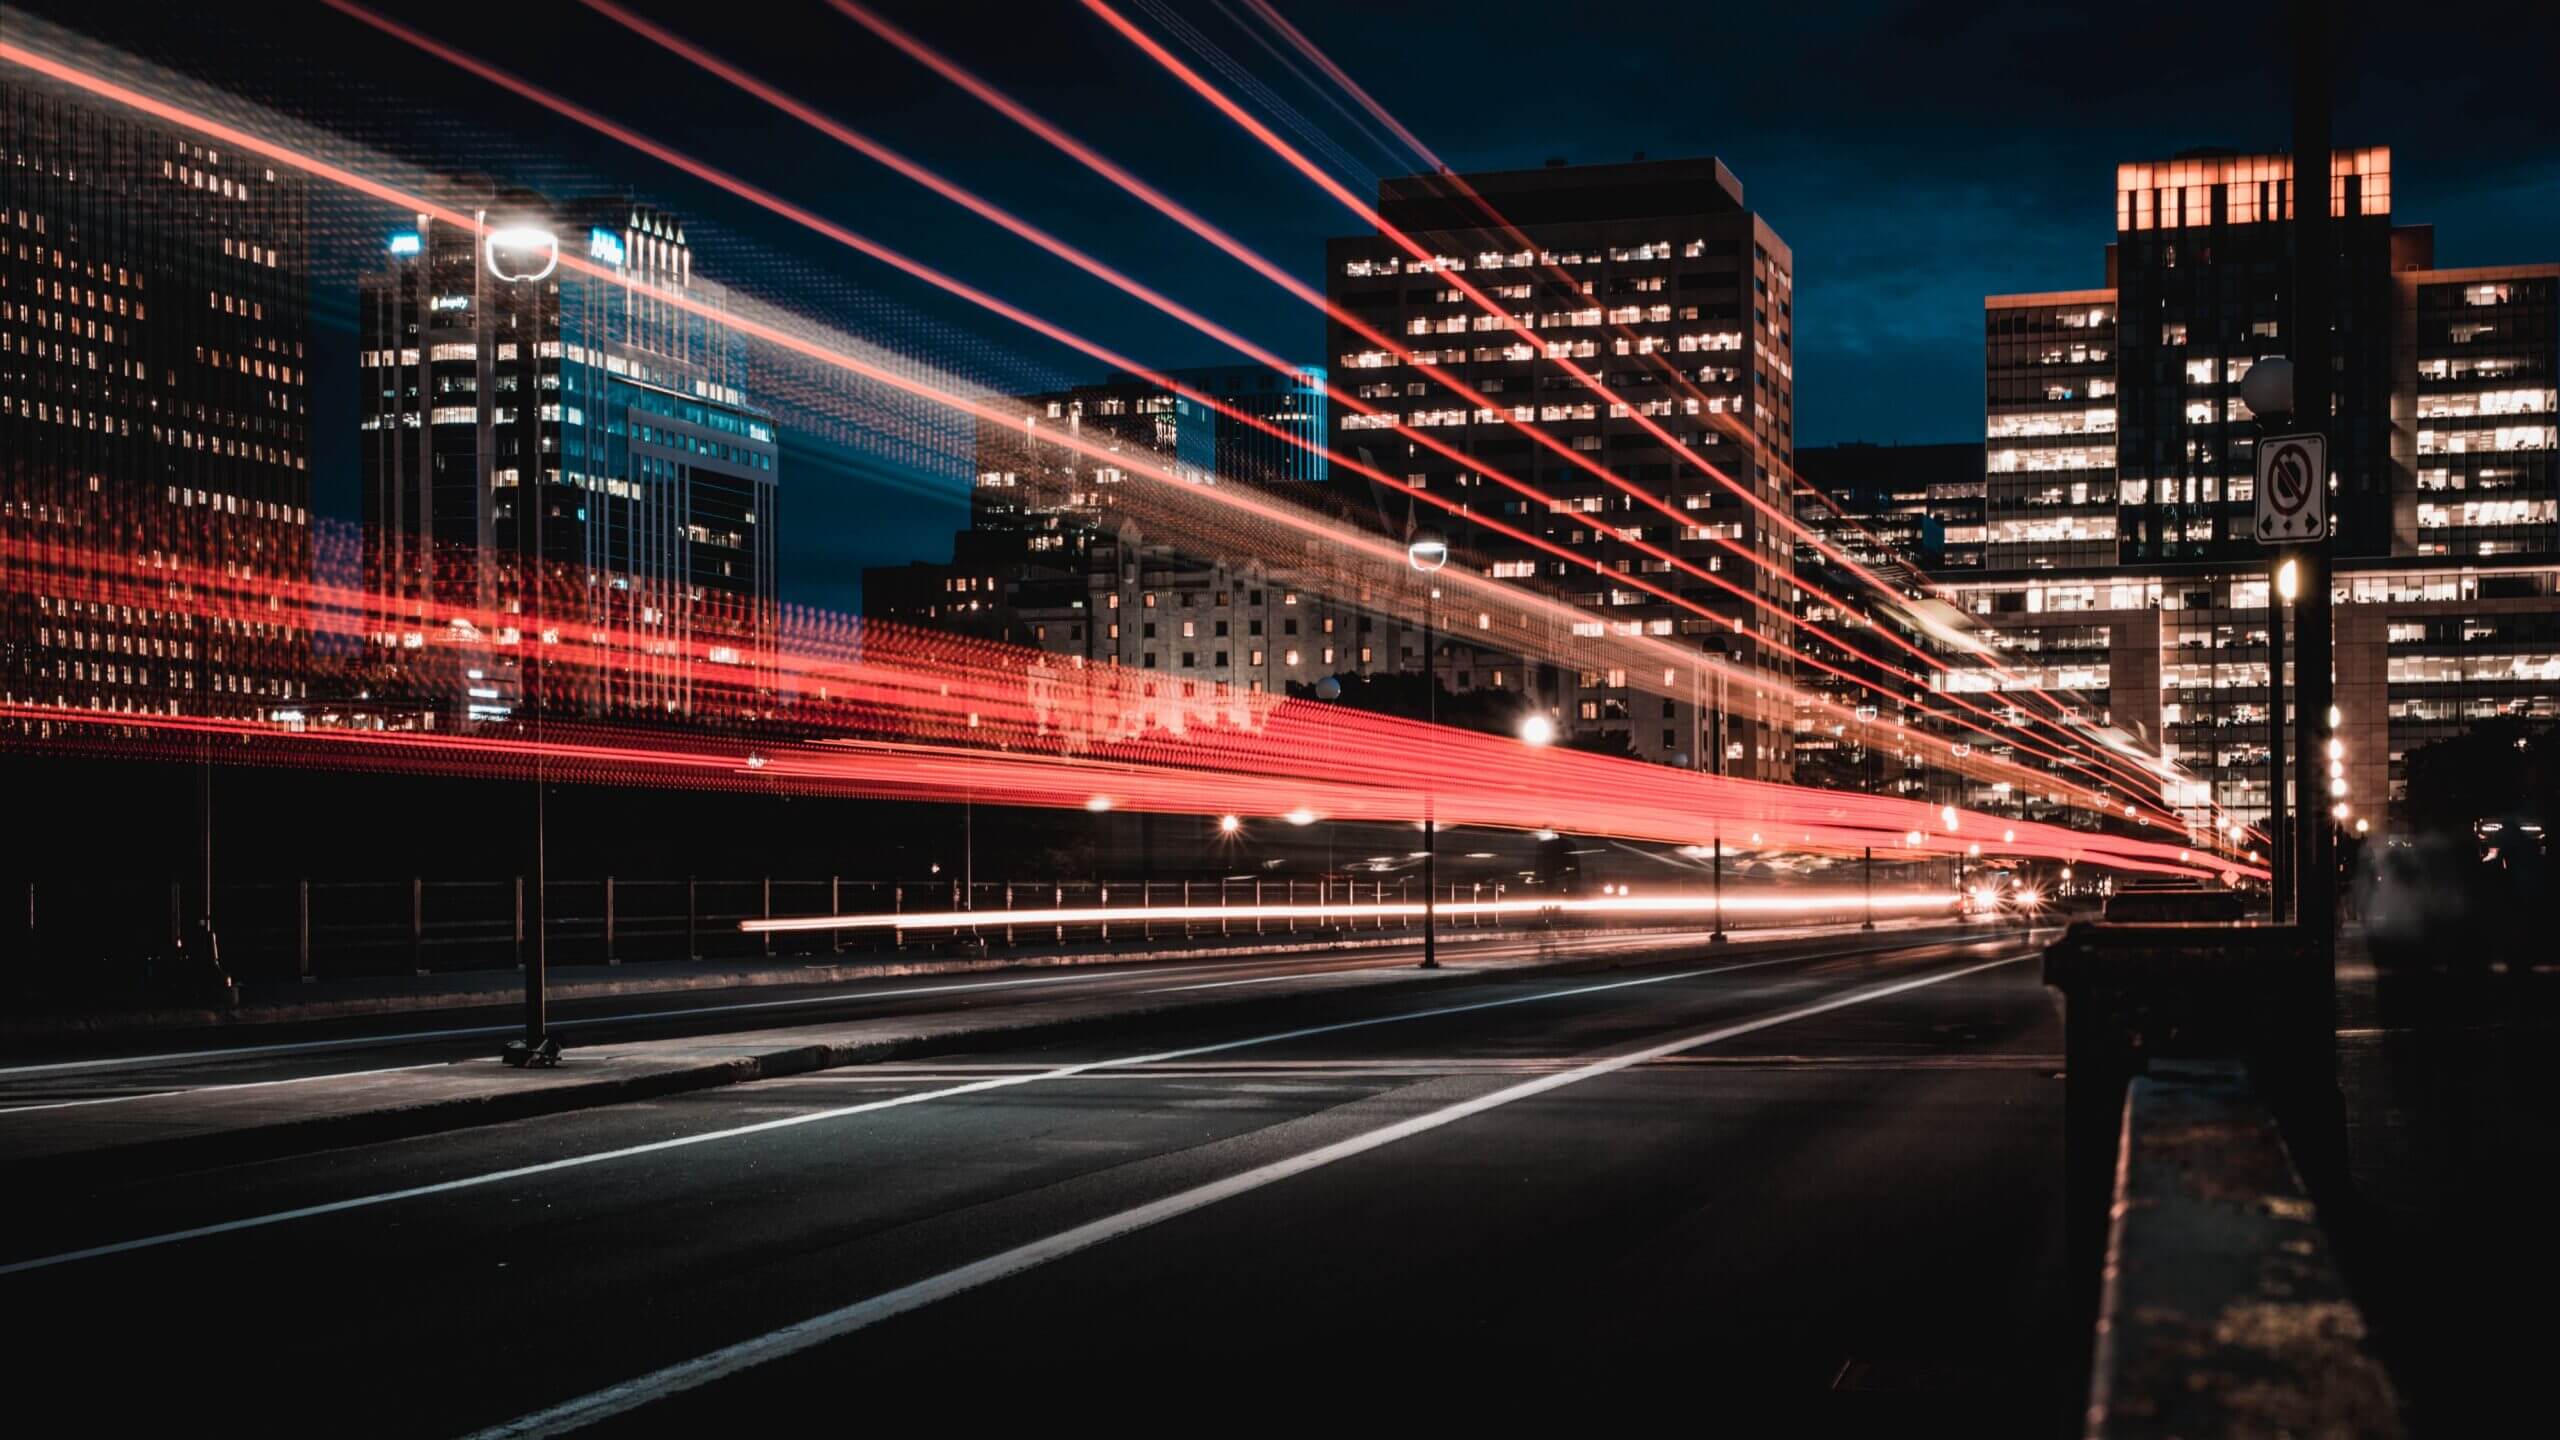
(2314, 870)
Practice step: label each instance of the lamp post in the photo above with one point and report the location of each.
(1427, 551)
(526, 255)
(1716, 645)
(2287, 583)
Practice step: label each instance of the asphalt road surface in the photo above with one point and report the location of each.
(82, 1072)
(1818, 1185)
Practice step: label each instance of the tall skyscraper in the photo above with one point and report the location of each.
(1658, 279)
(497, 380)
(153, 408)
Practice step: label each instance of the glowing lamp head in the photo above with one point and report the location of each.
(1427, 551)
(2288, 581)
(1229, 824)
(2339, 810)
(2364, 827)
(1537, 729)
(1947, 817)
(1098, 804)
(1300, 816)
(1911, 839)
(2334, 717)
(522, 252)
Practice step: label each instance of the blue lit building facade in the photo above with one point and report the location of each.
(498, 381)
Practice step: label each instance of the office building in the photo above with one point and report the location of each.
(1660, 281)
(497, 380)
(2121, 463)
(1060, 556)
(154, 324)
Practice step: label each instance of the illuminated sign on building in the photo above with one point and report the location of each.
(405, 242)
(605, 246)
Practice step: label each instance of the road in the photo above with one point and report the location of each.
(1821, 1182)
(92, 1071)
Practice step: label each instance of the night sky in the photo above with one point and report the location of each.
(1916, 156)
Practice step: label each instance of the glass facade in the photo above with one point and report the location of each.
(495, 383)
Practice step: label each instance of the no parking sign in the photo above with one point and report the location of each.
(2293, 489)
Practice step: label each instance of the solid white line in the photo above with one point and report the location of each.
(785, 1122)
(835, 1324)
(210, 1089)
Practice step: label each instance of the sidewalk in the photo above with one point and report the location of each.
(229, 1125)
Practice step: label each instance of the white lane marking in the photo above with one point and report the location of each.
(835, 1324)
(785, 1122)
(1271, 979)
(1314, 964)
(238, 1085)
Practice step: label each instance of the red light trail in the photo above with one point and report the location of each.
(1084, 154)
(1368, 215)
(1259, 506)
(1013, 224)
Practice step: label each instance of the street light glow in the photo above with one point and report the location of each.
(1427, 551)
(2288, 580)
(1229, 824)
(523, 253)
(1537, 729)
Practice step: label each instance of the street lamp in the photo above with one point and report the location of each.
(1537, 729)
(2288, 584)
(1718, 646)
(526, 254)
(1427, 551)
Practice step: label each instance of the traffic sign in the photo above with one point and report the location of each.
(2293, 489)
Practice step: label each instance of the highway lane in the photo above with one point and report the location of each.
(119, 1069)
(1844, 1191)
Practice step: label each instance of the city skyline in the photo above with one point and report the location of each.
(1891, 258)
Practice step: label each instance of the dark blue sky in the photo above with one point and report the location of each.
(1917, 157)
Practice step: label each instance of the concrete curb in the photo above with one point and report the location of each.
(179, 1153)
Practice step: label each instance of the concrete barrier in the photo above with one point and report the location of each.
(2222, 1311)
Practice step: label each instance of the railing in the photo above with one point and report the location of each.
(102, 935)
(420, 925)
